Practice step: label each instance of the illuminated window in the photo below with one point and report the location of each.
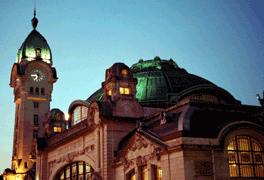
(246, 157)
(38, 52)
(57, 129)
(124, 90)
(158, 173)
(76, 170)
(144, 172)
(79, 114)
(124, 71)
(109, 93)
(132, 176)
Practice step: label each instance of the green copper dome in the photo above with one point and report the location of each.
(35, 47)
(161, 83)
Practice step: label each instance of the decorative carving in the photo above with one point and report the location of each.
(139, 143)
(126, 162)
(141, 161)
(96, 175)
(71, 156)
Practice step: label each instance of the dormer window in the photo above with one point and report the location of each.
(124, 90)
(109, 93)
(38, 52)
(124, 71)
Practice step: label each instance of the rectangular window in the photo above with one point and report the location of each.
(36, 105)
(144, 172)
(132, 176)
(57, 129)
(36, 119)
(124, 90)
(158, 173)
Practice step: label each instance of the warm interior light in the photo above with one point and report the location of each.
(124, 90)
(124, 71)
(109, 93)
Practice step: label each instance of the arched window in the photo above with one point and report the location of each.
(31, 90)
(76, 170)
(79, 114)
(37, 90)
(246, 157)
(42, 91)
(124, 71)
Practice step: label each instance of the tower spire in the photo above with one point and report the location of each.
(34, 21)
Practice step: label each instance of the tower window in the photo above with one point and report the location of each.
(31, 90)
(37, 91)
(26, 166)
(124, 71)
(109, 93)
(36, 119)
(36, 105)
(42, 91)
(38, 52)
(124, 90)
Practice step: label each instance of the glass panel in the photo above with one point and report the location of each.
(144, 173)
(80, 168)
(62, 175)
(245, 158)
(256, 146)
(80, 177)
(232, 145)
(132, 176)
(233, 170)
(68, 172)
(258, 158)
(259, 170)
(77, 115)
(243, 143)
(158, 173)
(84, 112)
(88, 168)
(88, 176)
(74, 170)
(232, 155)
(246, 171)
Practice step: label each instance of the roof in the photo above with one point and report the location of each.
(161, 83)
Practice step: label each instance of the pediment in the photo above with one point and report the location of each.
(140, 148)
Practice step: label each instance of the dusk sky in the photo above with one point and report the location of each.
(221, 41)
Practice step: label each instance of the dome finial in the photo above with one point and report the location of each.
(34, 21)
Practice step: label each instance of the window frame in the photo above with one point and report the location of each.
(236, 155)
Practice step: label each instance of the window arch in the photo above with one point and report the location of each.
(37, 91)
(76, 170)
(79, 114)
(42, 91)
(246, 157)
(31, 90)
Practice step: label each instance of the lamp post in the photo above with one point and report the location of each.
(261, 101)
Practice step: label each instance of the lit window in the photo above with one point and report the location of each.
(79, 114)
(246, 157)
(75, 170)
(109, 93)
(132, 176)
(158, 173)
(57, 129)
(124, 90)
(38, 52)
(144, 172)
(124, 71)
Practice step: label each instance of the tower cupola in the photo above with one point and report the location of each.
(35, 46)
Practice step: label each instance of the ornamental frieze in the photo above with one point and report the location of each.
(71, 156)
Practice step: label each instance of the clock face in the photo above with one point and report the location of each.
(37, 75)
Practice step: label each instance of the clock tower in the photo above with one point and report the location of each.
(32, 78)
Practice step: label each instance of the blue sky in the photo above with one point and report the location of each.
(222, 41)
